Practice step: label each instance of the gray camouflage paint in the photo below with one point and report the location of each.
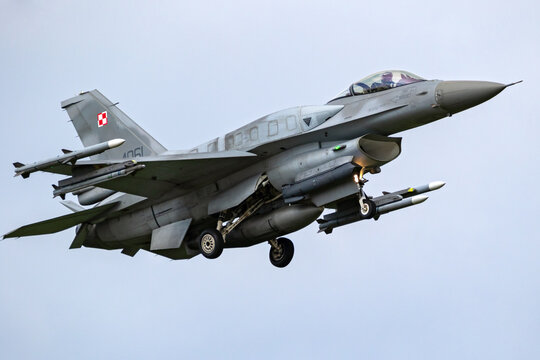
(287, 143)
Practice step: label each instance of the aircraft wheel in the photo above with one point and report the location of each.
(282, 254)
(211, 243)
(368, 209)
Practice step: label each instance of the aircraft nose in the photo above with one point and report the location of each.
(455, 96)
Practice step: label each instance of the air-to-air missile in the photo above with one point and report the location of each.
(94, 177)
(68, 157)
(386, 203)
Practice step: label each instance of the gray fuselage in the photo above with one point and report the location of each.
(275, 138)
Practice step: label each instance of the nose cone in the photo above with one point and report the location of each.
(456, 96)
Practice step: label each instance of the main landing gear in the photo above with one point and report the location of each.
(211, 246)
(211, 243)
(281, 252)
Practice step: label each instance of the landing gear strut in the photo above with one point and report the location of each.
(367, 206)
(281, 252)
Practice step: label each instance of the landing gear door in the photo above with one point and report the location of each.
(169, 236)
(234, 195)
(338, 191)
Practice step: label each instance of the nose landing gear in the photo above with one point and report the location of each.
(367, 206)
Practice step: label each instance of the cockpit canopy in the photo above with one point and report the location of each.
(380, 81)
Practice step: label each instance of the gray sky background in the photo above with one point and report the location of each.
(456, 277)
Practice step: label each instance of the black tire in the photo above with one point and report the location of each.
(369, 211)
(210, 243)
(283, 256)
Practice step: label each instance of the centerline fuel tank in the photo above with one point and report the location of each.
(278, 222)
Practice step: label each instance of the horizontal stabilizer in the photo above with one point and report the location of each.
(59, 223)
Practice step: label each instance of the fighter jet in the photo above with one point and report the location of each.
(255, 184)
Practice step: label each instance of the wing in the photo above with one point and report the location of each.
(165, 172)
(59, 223)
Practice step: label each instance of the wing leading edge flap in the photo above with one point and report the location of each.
(164, 172)
(59, 223)
(169, 156)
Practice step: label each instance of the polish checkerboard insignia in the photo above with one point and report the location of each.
(102, 119)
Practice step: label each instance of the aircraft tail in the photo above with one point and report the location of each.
(96, 119)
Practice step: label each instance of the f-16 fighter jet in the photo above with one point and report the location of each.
(255, 184)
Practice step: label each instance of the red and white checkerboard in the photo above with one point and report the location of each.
(102, 119)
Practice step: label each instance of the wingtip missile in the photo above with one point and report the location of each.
(115, 143)
(67, 157)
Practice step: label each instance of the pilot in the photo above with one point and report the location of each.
(365, 88)
(386, 79)
(386, 82)
(406, 79)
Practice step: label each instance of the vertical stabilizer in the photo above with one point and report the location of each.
(96, 119)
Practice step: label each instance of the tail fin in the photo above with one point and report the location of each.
(96, 119)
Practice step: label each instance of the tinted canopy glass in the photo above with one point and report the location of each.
(384, 80)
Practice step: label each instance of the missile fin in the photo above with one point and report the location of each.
(18, 165)
(63, 196)
(71, 160)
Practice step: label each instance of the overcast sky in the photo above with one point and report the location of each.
(456, 277)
